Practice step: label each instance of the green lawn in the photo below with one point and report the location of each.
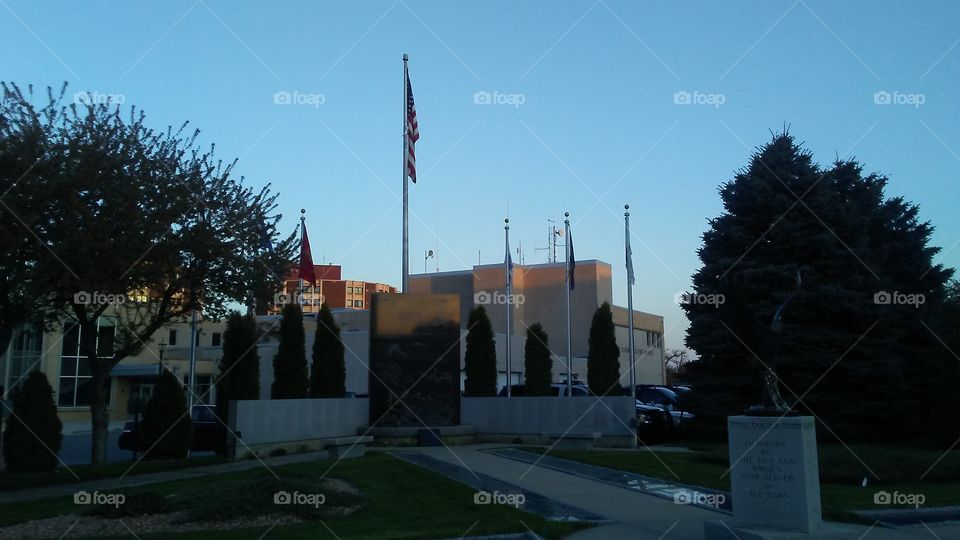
(403, 501)
(17, 481)
(898, 469)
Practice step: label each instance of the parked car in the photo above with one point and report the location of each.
(653, 423)
(666, 398)
(556, 390)
(208, 432)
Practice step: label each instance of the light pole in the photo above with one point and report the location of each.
(428, 254)
(162, 346)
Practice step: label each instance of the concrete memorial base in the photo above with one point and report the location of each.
(774, 481)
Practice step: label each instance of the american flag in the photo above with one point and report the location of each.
(413, 133)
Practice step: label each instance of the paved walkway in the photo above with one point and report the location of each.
(636, 515)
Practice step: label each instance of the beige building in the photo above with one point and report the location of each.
(539, 297)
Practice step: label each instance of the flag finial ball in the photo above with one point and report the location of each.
(303, 210)
(566, 214)
(626, 207)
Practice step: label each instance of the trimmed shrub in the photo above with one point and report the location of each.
(290, 378)
(33, 432)
(603, 358)
(538, 363)
(480, 359)
(328, 376)
(167, 427)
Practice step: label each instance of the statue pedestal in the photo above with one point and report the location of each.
(774, 481)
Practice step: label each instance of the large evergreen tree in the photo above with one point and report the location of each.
(603, 357)
(538, 362)
(290, 379)
(167, 427)
(480, 359)
(328, 376)
(853, 360)
(34, 431)
(239, 376)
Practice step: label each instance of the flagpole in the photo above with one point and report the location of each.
(303, 226)
(566, 258)
(630, 280)
(406, 210)
(509, 284)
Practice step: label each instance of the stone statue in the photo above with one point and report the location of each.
(760, 339)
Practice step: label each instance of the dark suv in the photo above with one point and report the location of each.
(666, 398)
(208, 432)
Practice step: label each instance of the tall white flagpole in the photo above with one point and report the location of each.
(406, 210)
(509, 283)
(566, 258)
(631, 279)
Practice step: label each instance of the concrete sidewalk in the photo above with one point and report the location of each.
(636, 515)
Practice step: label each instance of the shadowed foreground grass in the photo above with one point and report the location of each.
(896, 469)
(403, 502)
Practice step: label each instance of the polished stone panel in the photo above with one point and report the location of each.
(415, 360)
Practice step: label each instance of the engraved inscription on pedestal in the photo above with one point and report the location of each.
(775, 476)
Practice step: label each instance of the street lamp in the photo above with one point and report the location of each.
(162, 346)
(428, 254)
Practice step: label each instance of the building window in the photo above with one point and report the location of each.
(215, 339)
(349, 303)
(24, 357)
(76, 384)
(172, 337)
(358, 290)
(358, 303)
(202, 389)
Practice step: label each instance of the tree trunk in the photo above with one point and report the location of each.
(99, 420)
(99, 415)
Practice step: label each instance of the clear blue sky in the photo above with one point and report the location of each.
(598, 126)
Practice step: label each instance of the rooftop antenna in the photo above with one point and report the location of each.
(552, 233)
